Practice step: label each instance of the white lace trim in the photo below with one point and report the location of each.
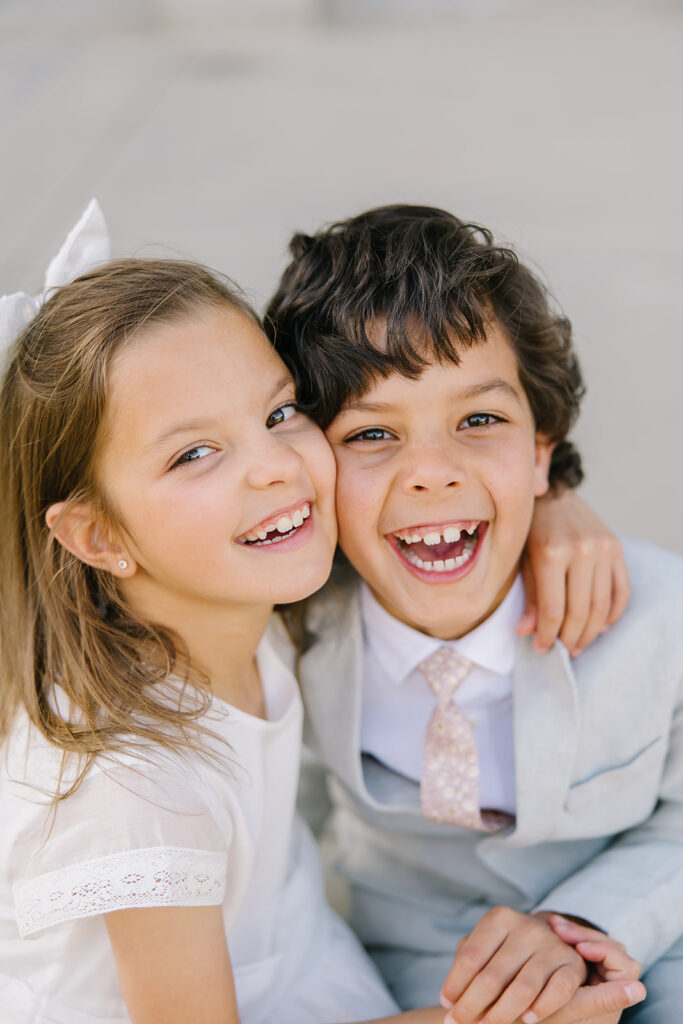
(153, 877)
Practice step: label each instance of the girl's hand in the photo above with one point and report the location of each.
(173, 965)
(575, 575)
(508, 964)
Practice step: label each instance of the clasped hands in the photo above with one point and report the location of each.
(516, 968)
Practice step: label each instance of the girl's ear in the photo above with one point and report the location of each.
(83, 532)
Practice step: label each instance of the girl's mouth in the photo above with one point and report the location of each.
(440, 553)
(277, 529)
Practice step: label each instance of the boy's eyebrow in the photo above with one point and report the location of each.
(198, 423)
(472, 391)
(497, 384)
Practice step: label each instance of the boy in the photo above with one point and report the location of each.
(447, 387)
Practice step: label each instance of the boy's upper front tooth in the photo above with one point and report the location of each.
(284, 524)
(451, 534)
(433, 537)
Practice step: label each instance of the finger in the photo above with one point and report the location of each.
(613, 959)
(573, 932)
(601, 601)
(621, 589)
(596, 1001)
(536, 984)
(489, 999)
(472, 955)
(551, 581)
(528, 621)
(579, 595)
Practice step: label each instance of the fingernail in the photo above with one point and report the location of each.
(450, 1020)
(561, 922)
(446, 1003)
(634, 994)
(529, 1017)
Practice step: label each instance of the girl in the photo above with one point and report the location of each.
(160, 492)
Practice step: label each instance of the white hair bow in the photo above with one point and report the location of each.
(85, 247)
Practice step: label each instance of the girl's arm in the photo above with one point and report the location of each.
(575, 575)
(173, 965)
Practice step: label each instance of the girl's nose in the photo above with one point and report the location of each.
(433, 467)
(274, 462)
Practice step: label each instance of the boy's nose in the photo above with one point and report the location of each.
(432, 467)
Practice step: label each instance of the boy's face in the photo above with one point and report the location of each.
(436, 485)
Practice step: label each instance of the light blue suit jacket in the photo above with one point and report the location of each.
(599, 780)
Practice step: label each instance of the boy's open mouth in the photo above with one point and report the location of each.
(278, 528)
(440, 549)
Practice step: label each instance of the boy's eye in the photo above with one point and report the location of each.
(371, 434)
(199, 451)
(281, 414)
(480, 419)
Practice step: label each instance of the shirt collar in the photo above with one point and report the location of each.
(400, 648)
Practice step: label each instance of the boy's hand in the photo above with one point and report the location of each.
(607, 959)
(575, 575)
(507, 964)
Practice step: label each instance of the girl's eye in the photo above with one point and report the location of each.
(282, 414)
(371, 434)
(480, 419)
(200, 451)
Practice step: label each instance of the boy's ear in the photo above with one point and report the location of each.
(544, 453)
(82, 531)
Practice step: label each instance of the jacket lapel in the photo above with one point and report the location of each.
(546, 728)
(331, 673)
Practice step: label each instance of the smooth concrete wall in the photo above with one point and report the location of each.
(558, 124)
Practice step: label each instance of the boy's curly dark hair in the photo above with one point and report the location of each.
(436, 282)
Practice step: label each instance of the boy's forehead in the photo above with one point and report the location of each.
(487, 358)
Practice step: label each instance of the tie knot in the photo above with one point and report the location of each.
(444, 670)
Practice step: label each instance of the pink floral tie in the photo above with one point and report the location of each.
(449, 791)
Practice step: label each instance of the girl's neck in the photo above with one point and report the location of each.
(221, 641)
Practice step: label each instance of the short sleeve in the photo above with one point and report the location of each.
(130, 836)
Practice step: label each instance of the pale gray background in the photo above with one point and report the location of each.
(214, 128)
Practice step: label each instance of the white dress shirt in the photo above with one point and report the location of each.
(397, 700)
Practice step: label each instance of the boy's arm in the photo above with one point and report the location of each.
(575, 576)
(633, 889)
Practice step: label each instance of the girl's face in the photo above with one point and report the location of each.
(223, 490)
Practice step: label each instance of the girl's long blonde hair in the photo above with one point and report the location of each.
(61, 621)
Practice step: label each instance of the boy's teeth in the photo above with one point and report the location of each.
(284, 524)
(442, 565)
(451, 534)
(297, 518)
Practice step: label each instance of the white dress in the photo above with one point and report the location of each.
(180, 831)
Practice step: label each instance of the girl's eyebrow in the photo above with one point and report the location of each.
(201, 423)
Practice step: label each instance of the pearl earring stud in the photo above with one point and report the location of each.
(123, 564)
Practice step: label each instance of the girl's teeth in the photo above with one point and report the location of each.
(471, 529)
(305, 511)
(284, 524)
(415, 539)
(261, 535)
(432, 538)
(297, 518)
